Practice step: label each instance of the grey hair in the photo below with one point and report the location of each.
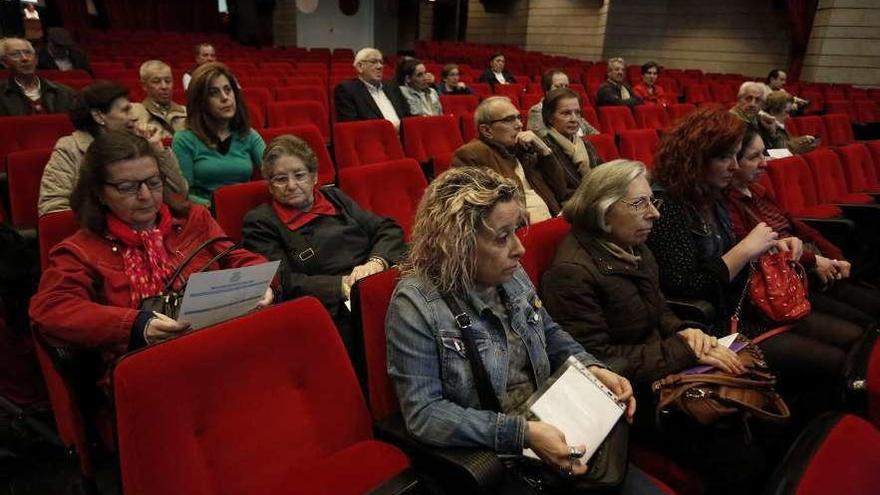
(483, 115)
(616, 60)
(5, 41)
(364, 53)
(151, 66)
(598, 191)
(750, 85)
(288, 145)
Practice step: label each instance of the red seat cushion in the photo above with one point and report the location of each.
(355, 470)
(848, 457)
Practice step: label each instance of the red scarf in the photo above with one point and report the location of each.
(295, 218)
(146, 260)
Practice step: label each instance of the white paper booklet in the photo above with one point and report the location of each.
(577, 403)
(779, 153)
(213, 297)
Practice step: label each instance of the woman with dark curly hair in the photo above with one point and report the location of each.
(699, 257)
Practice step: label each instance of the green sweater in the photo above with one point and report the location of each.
(206, 169)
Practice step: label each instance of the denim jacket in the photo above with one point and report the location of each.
(431, 373)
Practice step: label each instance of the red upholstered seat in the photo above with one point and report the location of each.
(796, 191)
(589, 114)
(233, 202)
(257, 115)
(874, 148)
(31, 132)
(24, 172)
(830, 179)
(650, 117)
(679, 110)
(297, 113)
(425, 138)
(614, 119)
(639, 144)
(257, 95)
(528, 100)
(697, 93)
(468, 127)
(482, 90)
(604, 144)
(302, 93)
(841, 106)
(540, 242)
(512, 91)
(809, 125)
(858, 168)
(839, 127)
(867, 111)
(459, 104)
(365, 141)
(311, 135)
(389, 189)
(285, 415)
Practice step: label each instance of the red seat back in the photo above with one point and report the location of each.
(841, 106)
(589, 114)
(677, 111)
(459, 104)
(839, 127)
(604, 144)
(867, 111)
(257, 115)
(794, 186)
(828, 176)
(810, 125)
(311, 135)
(302, 93)
(697, 93)
(639, 144)
(615, 119)
(858, 168)
(540, 242)
(299, 113)
(528, 100)
(233, 202)
(31, 132)
(426, 137)
(390, 189)
(24, 172)
(650, 117)
(365, 141)
(257, 95)
(53, 228)
(512, 91)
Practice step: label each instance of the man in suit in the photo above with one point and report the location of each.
(615, 90)
(24, 93)
(60, 53)
(368, 97)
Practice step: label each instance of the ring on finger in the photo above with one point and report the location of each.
(574, 454)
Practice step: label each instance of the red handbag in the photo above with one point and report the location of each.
(778, 287)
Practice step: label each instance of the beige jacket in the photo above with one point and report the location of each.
(149, 112)
(62, 172)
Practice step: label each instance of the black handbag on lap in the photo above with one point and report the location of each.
(606, 469)
(168, 302)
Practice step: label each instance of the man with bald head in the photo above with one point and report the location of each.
(506, 148)
(158, 109)
(24, 93)
(368, 97)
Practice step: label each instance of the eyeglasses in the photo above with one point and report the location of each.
(502, 237)
(641, 203)
(132, 187)
(282, 180)
(510, 119)
(17, 54)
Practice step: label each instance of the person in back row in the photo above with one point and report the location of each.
(550, 80)
(647, 89)
(496, 74)
(615, 90)
(412, 79)
(780, 105)
(777, 79)
(504, 147)
(451, 83)
(60, 53)
(368, 97)
(25, 93)
(218, 147)
(157, 108)
(749, 108)
(561, 114)
(205, 54)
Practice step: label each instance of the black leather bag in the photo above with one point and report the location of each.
(168, 302)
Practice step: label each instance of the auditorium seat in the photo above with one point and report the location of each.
(615, 119)
(589, 114)
(874, 149)
(528, 100)
(482, 90)
(697, 94)
(540, 242)
(233, 202)
(285, 415)
(24, 173)
(841, 106)
(300, 80)
(257, 115)
(365, 141)
(677, 111)
(858, 168)
(650, 117)
(297, 113)
(604, 144)
(302, 93)
(512, 91)
(468, 127)
(796, 189)
(809, 125)
(31, 132)
(390, 189)
(830, 180)
(431, 139)
(257, 95)
(311, 135)
(639, 144)
(839, 127)
(459, 104)
(867, 111)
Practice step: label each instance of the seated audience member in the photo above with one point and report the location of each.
(700, 257)
(615, 90)
(465, 251)
(218, 147)
(132, 236)
(648, 90)
(324, 240)
(780, 104)
(205, 54)
(520, 155)
(60, 53)
(25, 93)
(368, 97)
(831, 291)
(749, 108)
(776, 79)
(496, 74)
(99, 107)
(604, 290)
(420, 96)
(158, 109)
(550, 80)
(451, 83)
(561, 113)
(2, 61)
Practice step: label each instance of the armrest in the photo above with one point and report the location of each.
(404, 483)
(840, 231)
(693, 309)
(467, 470)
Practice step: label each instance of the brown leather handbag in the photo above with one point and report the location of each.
(714, 395)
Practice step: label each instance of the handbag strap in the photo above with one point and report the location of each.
(193, 254)
(488, 399)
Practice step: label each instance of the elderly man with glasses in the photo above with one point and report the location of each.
(25, 93)
(506, 148)
(368, 97)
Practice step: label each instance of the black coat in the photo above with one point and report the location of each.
(353, 101)
(78, 59)
(489, 78)
(57, 98)
(609, 95)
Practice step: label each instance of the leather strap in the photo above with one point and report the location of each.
(193, 254)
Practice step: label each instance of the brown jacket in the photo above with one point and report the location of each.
(543, 172)
(168, 122)
(615, 311)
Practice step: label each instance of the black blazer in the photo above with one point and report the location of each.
(79, 60)
(489, 77)
(353, 101)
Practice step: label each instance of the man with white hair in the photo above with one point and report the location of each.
(24, 93)
(204, 53)
(368, 97)
(158, 109)
(615, 90)
(749, 108)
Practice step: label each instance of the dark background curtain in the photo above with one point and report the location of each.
(190, 16)
(800, 21)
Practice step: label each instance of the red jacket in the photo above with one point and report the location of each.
(657, 97)
(83, 299)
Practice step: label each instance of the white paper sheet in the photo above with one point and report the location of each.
(726, 341)
(779, 153)
(213, 297)
(581, 407)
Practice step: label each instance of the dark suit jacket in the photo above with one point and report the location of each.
(353, 101)
(489, 77)
(79, 60)
(57, 98)
(609, 95)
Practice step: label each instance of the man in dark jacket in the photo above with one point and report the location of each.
(60, 53)
(24, 93)
(615, 90)
(368, 97)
